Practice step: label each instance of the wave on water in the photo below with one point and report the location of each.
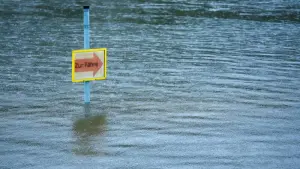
(156, 13)
(162, 12)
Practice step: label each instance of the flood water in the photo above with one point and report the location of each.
(190, 84)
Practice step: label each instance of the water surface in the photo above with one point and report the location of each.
(191, 84)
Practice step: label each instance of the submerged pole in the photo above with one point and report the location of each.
(86, 45)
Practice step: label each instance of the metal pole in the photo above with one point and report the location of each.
(86, 23)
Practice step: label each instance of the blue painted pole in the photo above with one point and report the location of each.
(86, 24)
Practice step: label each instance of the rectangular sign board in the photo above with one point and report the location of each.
(89, 64)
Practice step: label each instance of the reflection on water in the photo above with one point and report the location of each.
(86, 130)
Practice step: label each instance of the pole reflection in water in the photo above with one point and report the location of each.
(88, 131)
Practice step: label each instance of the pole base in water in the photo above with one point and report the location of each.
(87, 98)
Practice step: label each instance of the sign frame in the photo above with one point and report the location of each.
(74, 52)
